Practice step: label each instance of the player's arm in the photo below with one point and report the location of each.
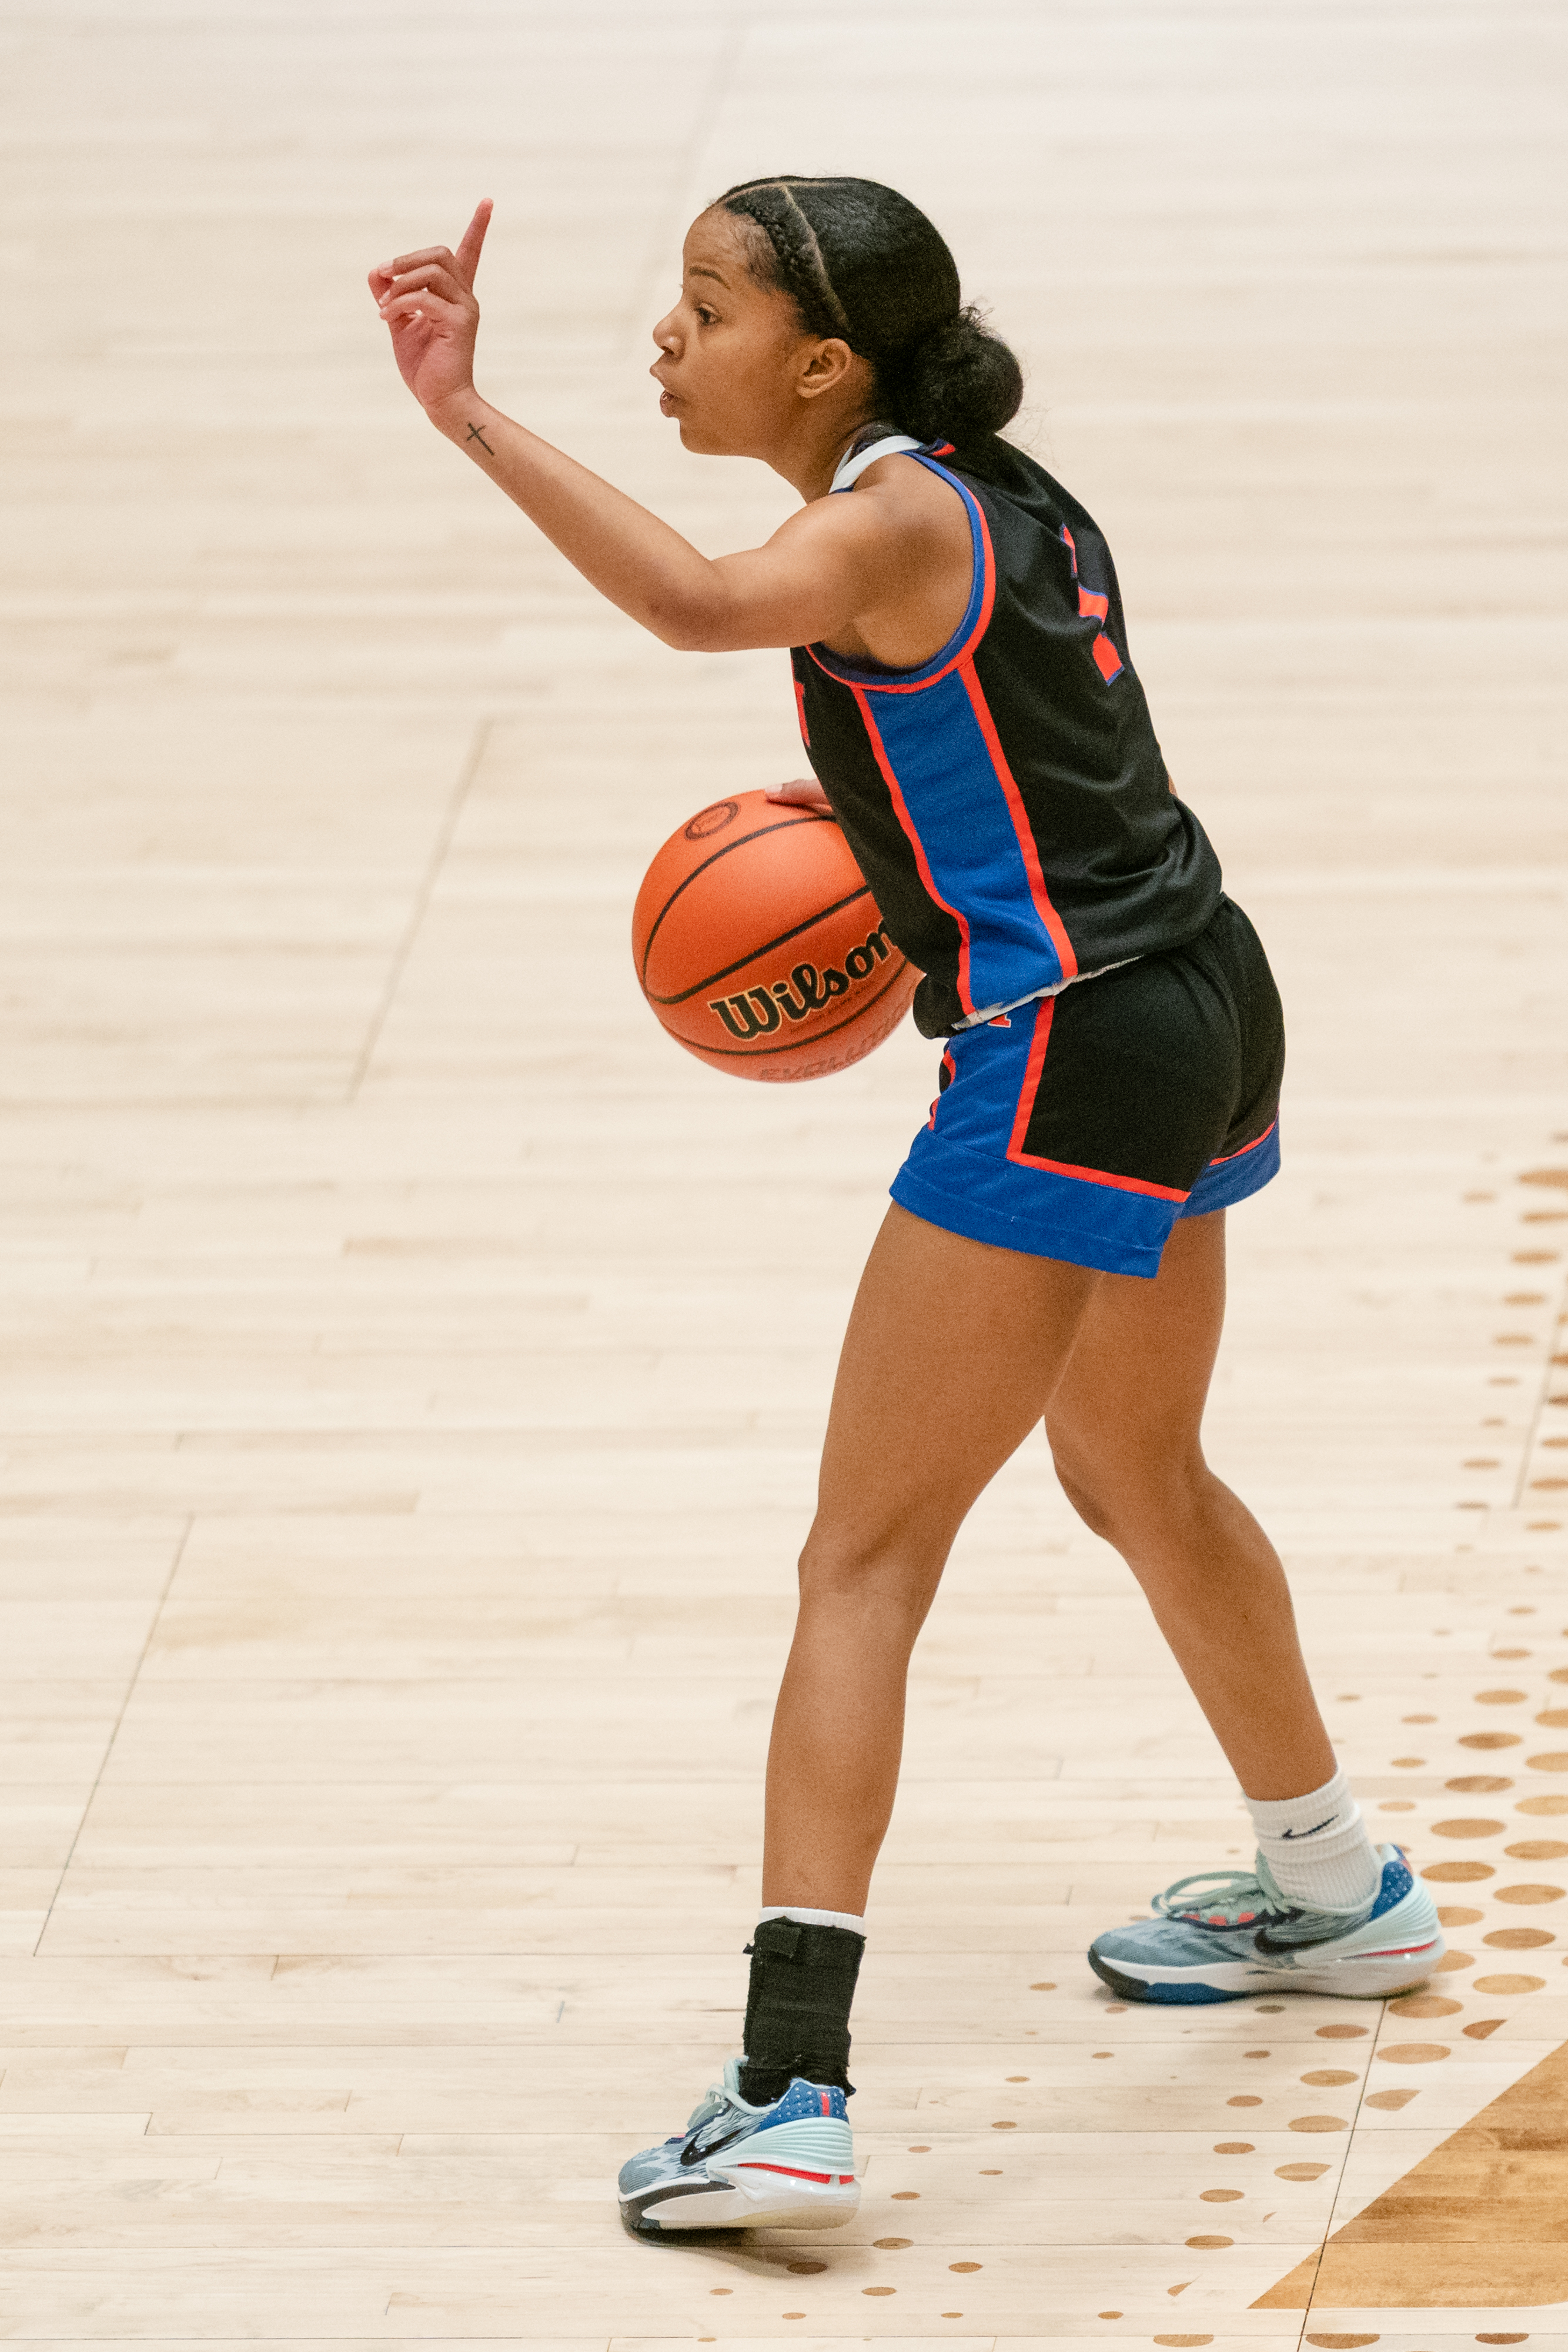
(818, 570)
(824, 567)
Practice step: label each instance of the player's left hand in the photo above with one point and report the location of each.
(427, 300)
(801, 792)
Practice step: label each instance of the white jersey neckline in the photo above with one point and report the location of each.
(892, 445)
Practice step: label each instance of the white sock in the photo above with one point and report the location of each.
(1317, 1848)
(813, 1918)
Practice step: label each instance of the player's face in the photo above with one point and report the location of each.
(732, 356)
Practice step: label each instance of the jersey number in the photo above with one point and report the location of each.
(1094, 607)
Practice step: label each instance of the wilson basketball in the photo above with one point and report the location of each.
(759, 946)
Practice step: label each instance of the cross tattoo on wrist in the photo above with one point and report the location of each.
(474, 434)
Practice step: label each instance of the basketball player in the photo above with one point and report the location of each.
(1109, 1087)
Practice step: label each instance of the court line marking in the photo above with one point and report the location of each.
(119, 1719)
(445, 832)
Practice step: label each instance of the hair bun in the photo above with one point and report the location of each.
(958, 381)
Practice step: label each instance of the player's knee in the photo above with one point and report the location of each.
(873, 1570)
(1088, 1497)
(1135, 1500)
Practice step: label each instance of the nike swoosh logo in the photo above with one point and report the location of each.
(693, 2154)
(1313, 1831)
(1263, 1942)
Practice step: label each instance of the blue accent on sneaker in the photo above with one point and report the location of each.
(803, 2099)
(1398, 1878)
(1168, 1996)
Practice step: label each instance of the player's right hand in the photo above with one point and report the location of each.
(427, 300)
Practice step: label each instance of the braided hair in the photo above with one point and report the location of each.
(860, 261)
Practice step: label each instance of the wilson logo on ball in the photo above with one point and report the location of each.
(758, 945)
(807, 991)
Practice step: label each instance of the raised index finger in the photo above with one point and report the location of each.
(468, 251)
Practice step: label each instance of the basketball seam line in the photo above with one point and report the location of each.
(784, 824)
(755, 955)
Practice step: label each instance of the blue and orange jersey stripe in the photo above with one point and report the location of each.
(957, 803)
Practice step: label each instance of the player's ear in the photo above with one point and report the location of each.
(827, 364)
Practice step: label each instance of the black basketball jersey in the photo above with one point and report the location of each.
(1007, 801)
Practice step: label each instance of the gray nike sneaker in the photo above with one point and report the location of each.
(791, 2165)
(1227, 1933)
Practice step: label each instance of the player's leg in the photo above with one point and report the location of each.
(1125, 1427)
(952, 1352)
(1322, 1910)
(951, 1355)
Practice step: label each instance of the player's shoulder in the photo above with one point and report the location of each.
(1029, 507)
(898, 493)
(1015, 479)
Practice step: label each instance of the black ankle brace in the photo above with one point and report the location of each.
(798, 2007)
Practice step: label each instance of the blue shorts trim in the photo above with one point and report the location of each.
(1225, 1181)
(1069, 1217)
(1043, 1215)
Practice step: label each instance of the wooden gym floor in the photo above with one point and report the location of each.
(416, 1366)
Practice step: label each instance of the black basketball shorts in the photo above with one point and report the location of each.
(1083, 1125)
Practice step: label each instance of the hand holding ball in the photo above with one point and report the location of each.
(759, 946)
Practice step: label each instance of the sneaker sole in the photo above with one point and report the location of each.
(768, 2198)
(1363, 1976)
